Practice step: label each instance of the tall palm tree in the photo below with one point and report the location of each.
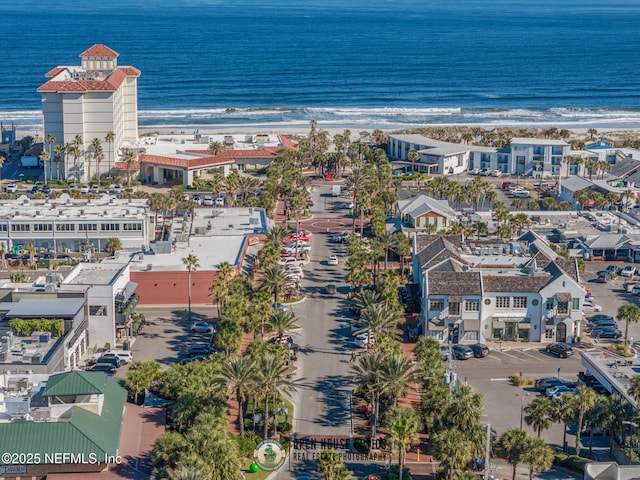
(274, 281)
(514, 442)
(539, 414)
(628, 313)
(378, 319)
(44, 156)
(191, 262)
(357, 181)
(59, 151)
(403, 425)
(598, 416)
(387, 241)
(95, 145)
(237, 374)
(130, 157)
(538, 455)
(413, 156)
(565, 412)
(49, 139)
(367, 372)
(276, 236)
(273, 380)
(110, 138)
(74, 150)
(396, 375)
(453, 449)
(78, 142)
(584, 400)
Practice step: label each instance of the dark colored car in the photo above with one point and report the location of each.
(111, 358)
(102, 367)
(606, 332)
(547, 382)
(601, 324)
(479, 350)
(603, 277)
(34, 189)
(199, 349)
(46, 189)
(611, 269)
(561, 350)
(461, 352)
(599, 316)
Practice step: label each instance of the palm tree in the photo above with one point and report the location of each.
(130, 157)
(628, 313)
(113, 245)
(378, 319)
(141, 375)
(191, 262)
(280, 322)
(272, 380)
(386, 240)
(95, 145)
(367, 373)
(598, 416)
(78, 142)
(584, 400)
(413, 156)
(514, 442)
(73, 150)
(215, 147)
(49, 139)
(453, 449)
(237, 374)
(274, 281)
(403, 425)
(539, 414)
(329, 460)
(110, 138)
(564, 411)
(44, 156)
(538, 455)
(480, 228)
(634, 388)
(396, 374)
(59, 151)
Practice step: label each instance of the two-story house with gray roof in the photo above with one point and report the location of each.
(520, 291)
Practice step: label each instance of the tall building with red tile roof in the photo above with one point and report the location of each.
(91, 100)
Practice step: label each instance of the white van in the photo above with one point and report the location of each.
(125, 355)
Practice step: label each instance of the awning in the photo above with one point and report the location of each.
(510, 317)
(524, 326)
(498, 324)
(471, 325)
(434, 327)
(455, 298)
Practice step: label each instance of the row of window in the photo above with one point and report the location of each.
(71, 227)
(503, 303)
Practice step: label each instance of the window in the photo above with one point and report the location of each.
(42, 227)
(436, 305)
(132, 227)
(503, 302)
(519, 302)
(98, 310)
(454, 308)
(576, 304)
(563, 308)
(472, 305)
(550, 304)
(20, 227)
(65, 227)
(88, 227)
(110, 226)
(3, 227)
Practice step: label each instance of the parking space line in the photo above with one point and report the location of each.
(509, 355)
(535, 357)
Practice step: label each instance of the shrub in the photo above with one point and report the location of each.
(247, 444)
(572, 462)
(623, 350)
(518, 381)
(24, 328)
(284, 427)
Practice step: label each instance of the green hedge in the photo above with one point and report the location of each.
(24, 328)
(572, 462)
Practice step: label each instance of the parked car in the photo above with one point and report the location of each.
(290, 261)
(603, 277)
(35, 188)
(461, 352)
(561, 350)
(195, 358)
(292, 249)
(11, 187)
(635, 289)
(547, 382)
(107, 368)
(333, 260)
(72, 186)
(196, 198)
(125, 355)
(207, 201)
(506, 185)
(628, 271)
(611, 269)
(496, 173)
(94, 189)
(602, 324)
(591, 306)
(521, 195)
(598, 317)
(475, 171)
(201, 327)
(112, 359)
(46, 189)
(199, 349)
(606, 332)
(556, 392)
(84, 189)
(479, 350)
(219, 202)
(444, 352)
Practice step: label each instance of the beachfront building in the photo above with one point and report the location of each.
(89, 101)
(435, 156)
(490, 158)
(473, 291)
(67, 225)
(179, 159)
(538, 157)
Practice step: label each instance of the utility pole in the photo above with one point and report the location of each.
(486, 452)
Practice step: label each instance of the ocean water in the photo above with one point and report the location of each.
(361, 64)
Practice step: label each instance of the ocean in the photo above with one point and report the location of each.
(358, 64)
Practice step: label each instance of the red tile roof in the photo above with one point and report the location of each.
(288, 143)
(53, 72)
(111, 84)
(195, 162)
(123, 166)
(99, 50)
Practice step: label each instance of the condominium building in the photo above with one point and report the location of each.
(89, 101)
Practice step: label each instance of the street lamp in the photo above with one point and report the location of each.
(522, 397)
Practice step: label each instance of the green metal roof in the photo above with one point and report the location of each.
(75, 383)
(85, 433)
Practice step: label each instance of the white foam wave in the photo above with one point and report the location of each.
(342, 111)
(209, 112)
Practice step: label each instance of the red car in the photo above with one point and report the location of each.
(505, 185)
(300, 238)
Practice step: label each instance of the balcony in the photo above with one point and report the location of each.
(125, 308)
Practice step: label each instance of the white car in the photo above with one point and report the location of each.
(591, 306)
(11, 188)
(290, 261)
(207, 201)
(628, 271)
(201, 327)
(219, 202)
(95, 188)
(291, 250)
(159, 218)
(475, 171)
(496, 173)
(363, 339)
(73, 186)
(117, 188)
(333, 260)
(84, 189)
(295, 269)
(125, 355)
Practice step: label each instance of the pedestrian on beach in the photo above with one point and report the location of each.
(353, 356)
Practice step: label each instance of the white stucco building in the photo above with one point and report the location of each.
(90, 100)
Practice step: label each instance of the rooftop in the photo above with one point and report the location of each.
(93, 274)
